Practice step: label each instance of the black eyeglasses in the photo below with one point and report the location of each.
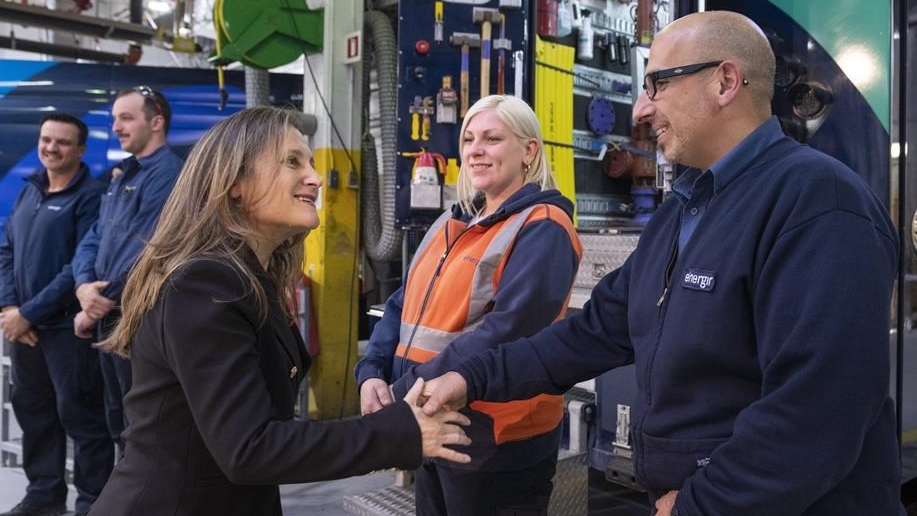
(148, 93)
(651, 79)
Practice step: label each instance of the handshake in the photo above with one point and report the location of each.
(435, 405)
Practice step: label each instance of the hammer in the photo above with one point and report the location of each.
(485, 16)
(465, 40)
(501, 45)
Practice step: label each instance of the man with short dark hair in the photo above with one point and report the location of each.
(130, 209)
(57, 384)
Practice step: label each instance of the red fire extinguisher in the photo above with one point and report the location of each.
(547, 18)
(425, 171)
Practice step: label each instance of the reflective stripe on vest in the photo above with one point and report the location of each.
(481, 291)
(442, 325)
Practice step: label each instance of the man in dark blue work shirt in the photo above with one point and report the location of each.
(57, 384)
(130, 209)
(755, 307)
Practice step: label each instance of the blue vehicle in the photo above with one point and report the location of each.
(30, 89)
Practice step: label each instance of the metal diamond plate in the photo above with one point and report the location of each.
(602, 254)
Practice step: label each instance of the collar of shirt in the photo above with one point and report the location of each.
(732, 164)
(40, 179)
(132, 164)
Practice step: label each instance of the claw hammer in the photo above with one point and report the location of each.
(464, 40)
(486, 17)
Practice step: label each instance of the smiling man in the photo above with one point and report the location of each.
(57, 385)
(755, 307)
(130, 209)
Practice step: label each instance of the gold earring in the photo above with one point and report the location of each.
(526, 168)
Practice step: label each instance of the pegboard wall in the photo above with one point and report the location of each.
(434, 39)
(610, 161)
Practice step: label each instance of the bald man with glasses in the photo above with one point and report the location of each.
(755, 307)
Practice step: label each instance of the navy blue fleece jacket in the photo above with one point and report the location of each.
(129, 212)
(38, 243)
(761, 348)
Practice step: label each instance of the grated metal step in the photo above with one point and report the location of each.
(570, 497)
(388, 501)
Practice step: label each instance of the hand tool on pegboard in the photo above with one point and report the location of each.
(501, 45)
(420, 111)
(446, 100)
(465, 40)
(486, 17)
(426, 110)
(518, 71)
(414, 109)
(438, 22)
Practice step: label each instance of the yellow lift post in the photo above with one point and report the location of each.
(271, 33)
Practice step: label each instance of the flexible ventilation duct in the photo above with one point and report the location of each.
(381, 240)
(257, 87)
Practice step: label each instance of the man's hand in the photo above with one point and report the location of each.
(374, 394)
(92, 301)
(84, 326)
(448, 392)
(666, 504)
(29, 338)
(13, 324)
(439, 430)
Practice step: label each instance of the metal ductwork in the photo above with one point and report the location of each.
(257, 87)
(57, 20)
(381, 240)
(67, 51)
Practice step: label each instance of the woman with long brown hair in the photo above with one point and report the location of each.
(216, 359)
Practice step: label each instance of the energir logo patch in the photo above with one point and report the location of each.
(696, 279)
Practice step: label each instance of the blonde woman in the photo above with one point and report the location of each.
(498, 267)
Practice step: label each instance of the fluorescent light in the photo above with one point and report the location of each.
(20, 84)
(159, 6)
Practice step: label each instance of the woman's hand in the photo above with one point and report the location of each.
(375, 393)
(440, 429)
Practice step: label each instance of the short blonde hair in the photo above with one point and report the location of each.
(521, 120)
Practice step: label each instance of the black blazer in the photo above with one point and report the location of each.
(211, 408)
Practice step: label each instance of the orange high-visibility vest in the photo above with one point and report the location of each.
(458, 299)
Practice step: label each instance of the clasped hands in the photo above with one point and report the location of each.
(435, 406)
(16, 328)
(94, 307)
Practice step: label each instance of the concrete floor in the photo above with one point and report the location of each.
(318, 498)
(327, 498)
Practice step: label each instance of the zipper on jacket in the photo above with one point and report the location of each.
(40, 202)
(426, 297)
(673, 257)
